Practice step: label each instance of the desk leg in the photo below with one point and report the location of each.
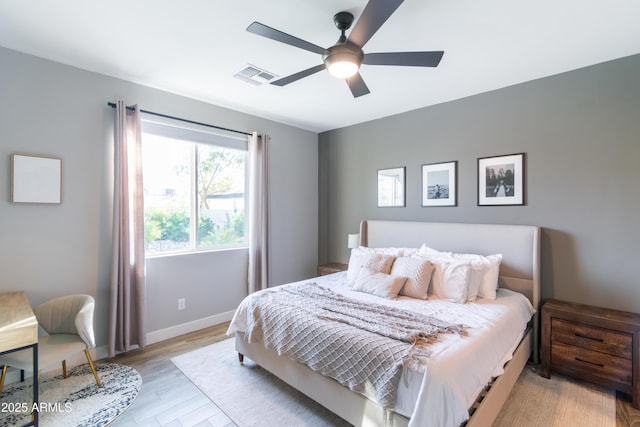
(35, 384)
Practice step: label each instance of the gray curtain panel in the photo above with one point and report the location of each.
(128, 296)
(258, 212)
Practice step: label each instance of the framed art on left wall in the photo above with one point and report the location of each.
(36, 179)
(391, 187)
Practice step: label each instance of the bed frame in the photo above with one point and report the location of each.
(519, 271)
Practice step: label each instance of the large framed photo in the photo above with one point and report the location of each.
(36, 179)
(391, 187)
(439, 184)
(501, 180)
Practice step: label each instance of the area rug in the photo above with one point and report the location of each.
(75, 400)
(249, 395)
(559, 401)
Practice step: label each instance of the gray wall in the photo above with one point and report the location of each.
(51, 109)
(581, 135)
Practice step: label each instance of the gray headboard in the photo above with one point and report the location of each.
(518, 244)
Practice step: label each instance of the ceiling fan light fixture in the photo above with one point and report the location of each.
(344, 58)
(342, 69)
(342, 62)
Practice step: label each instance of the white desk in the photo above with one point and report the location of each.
(19, 330)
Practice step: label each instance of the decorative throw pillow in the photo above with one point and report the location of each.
(368, 258)
(418, 273)
(379, 284)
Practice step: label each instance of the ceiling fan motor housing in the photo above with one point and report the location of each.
(343, 55)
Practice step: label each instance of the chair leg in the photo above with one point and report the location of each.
(4, 374)
(93, 368)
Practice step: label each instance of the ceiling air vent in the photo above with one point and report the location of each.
(254, 75)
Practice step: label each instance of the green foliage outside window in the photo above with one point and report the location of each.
(232, 233)
(163, 228)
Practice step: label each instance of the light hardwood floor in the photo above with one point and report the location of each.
(168, 398)
(626, 415)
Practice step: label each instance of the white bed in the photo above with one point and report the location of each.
(451, 384)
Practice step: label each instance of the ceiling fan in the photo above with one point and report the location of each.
(343, 59)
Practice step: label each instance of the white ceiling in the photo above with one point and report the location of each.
(194, 47)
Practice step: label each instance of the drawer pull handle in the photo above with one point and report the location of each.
(591, 363)
(588, 337)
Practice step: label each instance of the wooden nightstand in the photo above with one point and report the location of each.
(593, 344)
(332, 267)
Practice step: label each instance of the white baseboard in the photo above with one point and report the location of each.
(185, 328)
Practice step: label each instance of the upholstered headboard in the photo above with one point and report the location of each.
(518, 244)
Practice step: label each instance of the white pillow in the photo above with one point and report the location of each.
(384, 251)
(426, 250)
(450, 279)
(485, 271)
(483, 277)
(418, 273)
(369, 258)
(407, 251)
(391, 251)
(379, 284)
(475, 279)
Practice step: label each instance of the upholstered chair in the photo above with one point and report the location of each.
(68, 322)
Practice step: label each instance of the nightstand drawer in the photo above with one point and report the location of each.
(592, 338)
(604, 366)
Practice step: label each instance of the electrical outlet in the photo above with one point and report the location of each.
(181, 304)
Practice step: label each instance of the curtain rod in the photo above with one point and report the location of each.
(113, 105)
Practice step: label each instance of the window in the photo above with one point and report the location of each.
(194, 189)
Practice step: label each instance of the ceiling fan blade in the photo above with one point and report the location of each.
(279, 36)
(412, 59)
(357, 85)
(299, 75)
(375, 13)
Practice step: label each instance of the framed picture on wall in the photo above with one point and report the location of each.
(501, 180)
(439, 184)
(391, 187)
(36, 179)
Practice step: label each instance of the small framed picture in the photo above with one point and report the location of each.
(439, 184)
(501, 180)
(36, 179)
(391, 187)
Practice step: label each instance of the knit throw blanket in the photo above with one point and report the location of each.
(361, 345)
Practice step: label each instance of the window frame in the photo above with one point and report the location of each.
(195, 135)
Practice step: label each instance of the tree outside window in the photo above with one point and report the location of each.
(189, 183)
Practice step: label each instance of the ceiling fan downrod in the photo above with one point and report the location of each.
(343, 21)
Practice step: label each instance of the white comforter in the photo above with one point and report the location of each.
(459, 367)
